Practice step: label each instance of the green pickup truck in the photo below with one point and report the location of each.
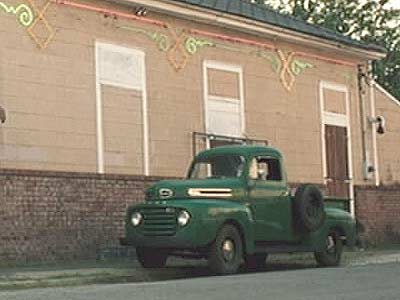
(235, 205)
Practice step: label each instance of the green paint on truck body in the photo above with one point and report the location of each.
(262, 211)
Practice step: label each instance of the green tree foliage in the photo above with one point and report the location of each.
(372, 21)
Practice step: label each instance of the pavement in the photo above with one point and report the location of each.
(353, 282)
(128, 271)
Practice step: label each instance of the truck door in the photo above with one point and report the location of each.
(270, 200)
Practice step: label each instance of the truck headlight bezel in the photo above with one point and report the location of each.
(183, 218)
(136, 219)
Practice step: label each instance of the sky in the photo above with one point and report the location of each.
(395, 3)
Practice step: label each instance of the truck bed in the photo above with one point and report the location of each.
(336, 202)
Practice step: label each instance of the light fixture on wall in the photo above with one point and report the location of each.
(381, 124)
(2, 115)
(140, 11)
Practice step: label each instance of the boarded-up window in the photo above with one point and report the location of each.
(121, 82)
(224, 100)
(120, 66)
(335, 101)
(223, 83)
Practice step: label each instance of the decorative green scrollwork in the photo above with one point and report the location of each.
(23, 12)
(299, 67)
(163, 42)
(273, 59)
(193, 45)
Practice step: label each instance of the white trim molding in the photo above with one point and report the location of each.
(386, 93)
(374, 133)
(142, 86)
(341, 120)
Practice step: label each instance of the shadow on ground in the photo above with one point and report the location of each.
(194, 269)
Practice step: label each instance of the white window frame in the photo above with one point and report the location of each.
(221, 66)
(99, 103)
(340, 120)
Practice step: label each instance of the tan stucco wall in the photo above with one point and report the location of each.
(50, 96)
(389, 143)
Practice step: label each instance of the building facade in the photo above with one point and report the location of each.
(134, 88)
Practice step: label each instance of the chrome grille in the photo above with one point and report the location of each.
(159, 221)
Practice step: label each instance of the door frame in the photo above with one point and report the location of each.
(340, 120)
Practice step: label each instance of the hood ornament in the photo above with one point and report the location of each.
(166, 193)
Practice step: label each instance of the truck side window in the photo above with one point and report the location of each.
(265, 168)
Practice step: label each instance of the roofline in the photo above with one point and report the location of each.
(386, 93)
(246, 25)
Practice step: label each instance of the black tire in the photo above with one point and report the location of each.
(332, 254)
(309, 208)
(226, 252)
(151, 258)
(256, 261)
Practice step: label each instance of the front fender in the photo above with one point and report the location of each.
(220, 213)
(209, 215)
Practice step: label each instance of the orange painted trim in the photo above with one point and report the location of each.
(111, 12)
(233, 39)
(223, 37)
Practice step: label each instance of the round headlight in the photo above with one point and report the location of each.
(136, 219)
(183, 218)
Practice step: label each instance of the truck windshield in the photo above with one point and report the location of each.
(224, 166)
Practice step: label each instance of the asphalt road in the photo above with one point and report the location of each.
(363, 282)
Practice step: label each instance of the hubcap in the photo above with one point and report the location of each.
(228, 250)
(331, 244)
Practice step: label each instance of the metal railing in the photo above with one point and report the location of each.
(206, 138)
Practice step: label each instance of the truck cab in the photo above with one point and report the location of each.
(235, 205)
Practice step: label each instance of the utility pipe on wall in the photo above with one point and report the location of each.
(374, 125)
(362, 82)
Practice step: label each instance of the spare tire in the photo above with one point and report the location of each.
(309, 208)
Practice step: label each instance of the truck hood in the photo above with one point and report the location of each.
(167, 190)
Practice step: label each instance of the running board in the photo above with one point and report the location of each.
(282, 248)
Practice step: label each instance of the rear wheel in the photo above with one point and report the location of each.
(256, 261)
(226, 252)
(151, 258)
(331, 255)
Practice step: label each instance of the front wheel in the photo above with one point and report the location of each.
(151, 258)
(226, 252)
(331, 255)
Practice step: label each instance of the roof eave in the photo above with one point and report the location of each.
(208, 16)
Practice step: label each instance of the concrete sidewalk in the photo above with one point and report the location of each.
(127, 270)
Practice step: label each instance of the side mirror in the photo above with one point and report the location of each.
(2, 115)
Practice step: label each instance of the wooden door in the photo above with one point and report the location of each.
(338, 180)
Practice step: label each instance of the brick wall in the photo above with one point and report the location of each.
(48, 216)
(378, 210)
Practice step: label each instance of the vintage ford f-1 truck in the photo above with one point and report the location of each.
(235, 206)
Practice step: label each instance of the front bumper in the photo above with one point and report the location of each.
(172, 242)
(195, 235)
